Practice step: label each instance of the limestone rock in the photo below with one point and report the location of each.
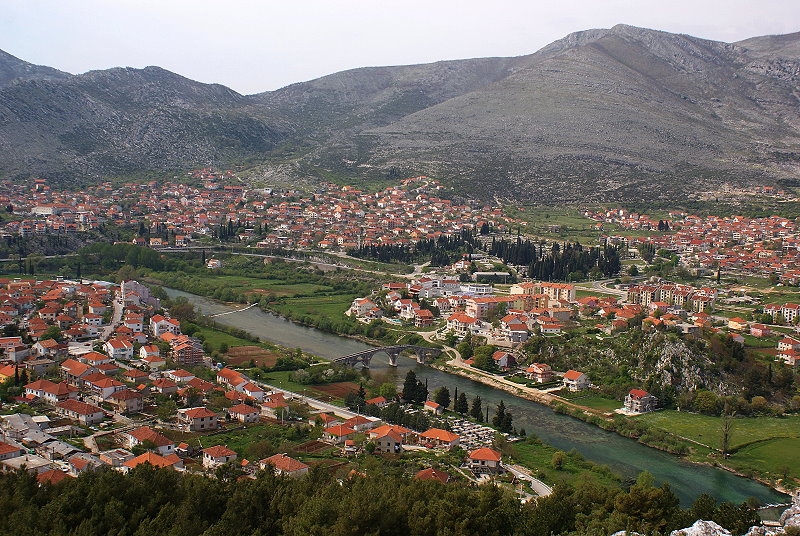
(702, 528)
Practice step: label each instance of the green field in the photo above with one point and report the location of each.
(281, 379)
(764, 444)
(538, 457)
(215, 338)
(774, 456)
(275, 287)
(327, 306)
(571, 224)
(590, 400)
(706, 429)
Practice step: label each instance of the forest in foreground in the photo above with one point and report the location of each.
(162, 501)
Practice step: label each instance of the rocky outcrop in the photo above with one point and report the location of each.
(702, 528)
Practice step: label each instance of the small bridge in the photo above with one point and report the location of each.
(393, 352)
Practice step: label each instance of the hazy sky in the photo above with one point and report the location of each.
(259, 45)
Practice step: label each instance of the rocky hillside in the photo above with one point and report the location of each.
(13, 69)
(622, 113)
(125, 121)
(617, 114)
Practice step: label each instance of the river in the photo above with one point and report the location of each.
(624, 456)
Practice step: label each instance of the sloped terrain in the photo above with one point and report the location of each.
(617, 114)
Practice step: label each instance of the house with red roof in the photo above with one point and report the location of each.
(436, 437)
(8, 371)
(284, 465)
(737, 323)
(154, 362)
(160, 324)
(94, 359)
(760, 330)
(165, 386)
(74, 371)
(102, 386)
(788, 343)
(378, 401)
(199, 419)
(326, 419)
(135, 376)
(253, 391)
(789, 356)
(156, 460)
(337, 433)
(86, 414)
(433, 407)
(149, 350)
(575, 380)
(51, 392)
(119, 348)
(640, 401)
(158, 442)
(8, 451)
(432, 474)
(485, 461)
(52, 477)
(504, 360)
(244, 413)
(461, 323)
(540, 372)
(360, 423)
(49, 348)
(218, 455)
(387, 440)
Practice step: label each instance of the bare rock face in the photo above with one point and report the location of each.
(791, 517)
(702, 528)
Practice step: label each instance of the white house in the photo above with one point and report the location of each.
(575, 380)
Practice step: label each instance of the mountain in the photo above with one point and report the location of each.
(13, 69)
(611, 114)
(125, 121)
(619, 114)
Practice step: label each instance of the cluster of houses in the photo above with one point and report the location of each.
(394, 439)
(332, 217)
(756, 246)
(671, 297)
(30, 443)
(107, 327)
(468, 307)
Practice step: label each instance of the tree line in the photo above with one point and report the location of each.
(383, 501)
(440, 251)
(558, 262)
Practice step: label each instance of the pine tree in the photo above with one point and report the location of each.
(476, 411)
(461, 405)
(442, 397)
(499, 415)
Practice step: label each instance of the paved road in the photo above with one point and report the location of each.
(313, 402)
(541, 489)
(602, 286)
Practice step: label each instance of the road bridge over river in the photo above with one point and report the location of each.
(423, 353)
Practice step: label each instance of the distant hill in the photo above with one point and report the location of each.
(124, 121)
(617, 114)
(13, 69)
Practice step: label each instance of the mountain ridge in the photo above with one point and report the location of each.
(619, 113)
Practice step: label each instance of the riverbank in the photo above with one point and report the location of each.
(623, 456)
(591, 416)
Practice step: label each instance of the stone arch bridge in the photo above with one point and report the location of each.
(423, 353)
